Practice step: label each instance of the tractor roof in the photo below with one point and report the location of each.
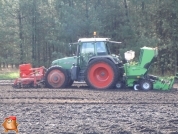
(93, 39)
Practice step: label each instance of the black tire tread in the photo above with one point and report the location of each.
(70, 82)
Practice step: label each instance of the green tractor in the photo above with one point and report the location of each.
(100, 69)
(93, 64)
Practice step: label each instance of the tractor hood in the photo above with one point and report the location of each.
(65, 62)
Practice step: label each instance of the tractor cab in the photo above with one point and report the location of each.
(90, 48)
(96, 46)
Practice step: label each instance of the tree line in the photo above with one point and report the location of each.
(39, 31)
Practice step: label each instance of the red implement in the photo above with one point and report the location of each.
(30, 77)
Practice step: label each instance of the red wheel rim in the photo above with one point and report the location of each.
(56, 78)
(101, 75)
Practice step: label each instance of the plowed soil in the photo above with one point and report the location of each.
(83, 110)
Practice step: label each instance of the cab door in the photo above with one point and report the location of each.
(86, 52)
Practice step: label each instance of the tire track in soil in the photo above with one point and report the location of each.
(81, 110)
(77, 95)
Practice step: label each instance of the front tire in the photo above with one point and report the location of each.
(101, 74)
(56, 77)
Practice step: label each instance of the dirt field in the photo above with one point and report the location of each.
(82, 110)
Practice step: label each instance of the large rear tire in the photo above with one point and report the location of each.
(56, 77)
(101, 74)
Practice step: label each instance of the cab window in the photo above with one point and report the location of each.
(87, 48)
(100, 47)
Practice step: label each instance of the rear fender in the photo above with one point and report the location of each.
(104, 57)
